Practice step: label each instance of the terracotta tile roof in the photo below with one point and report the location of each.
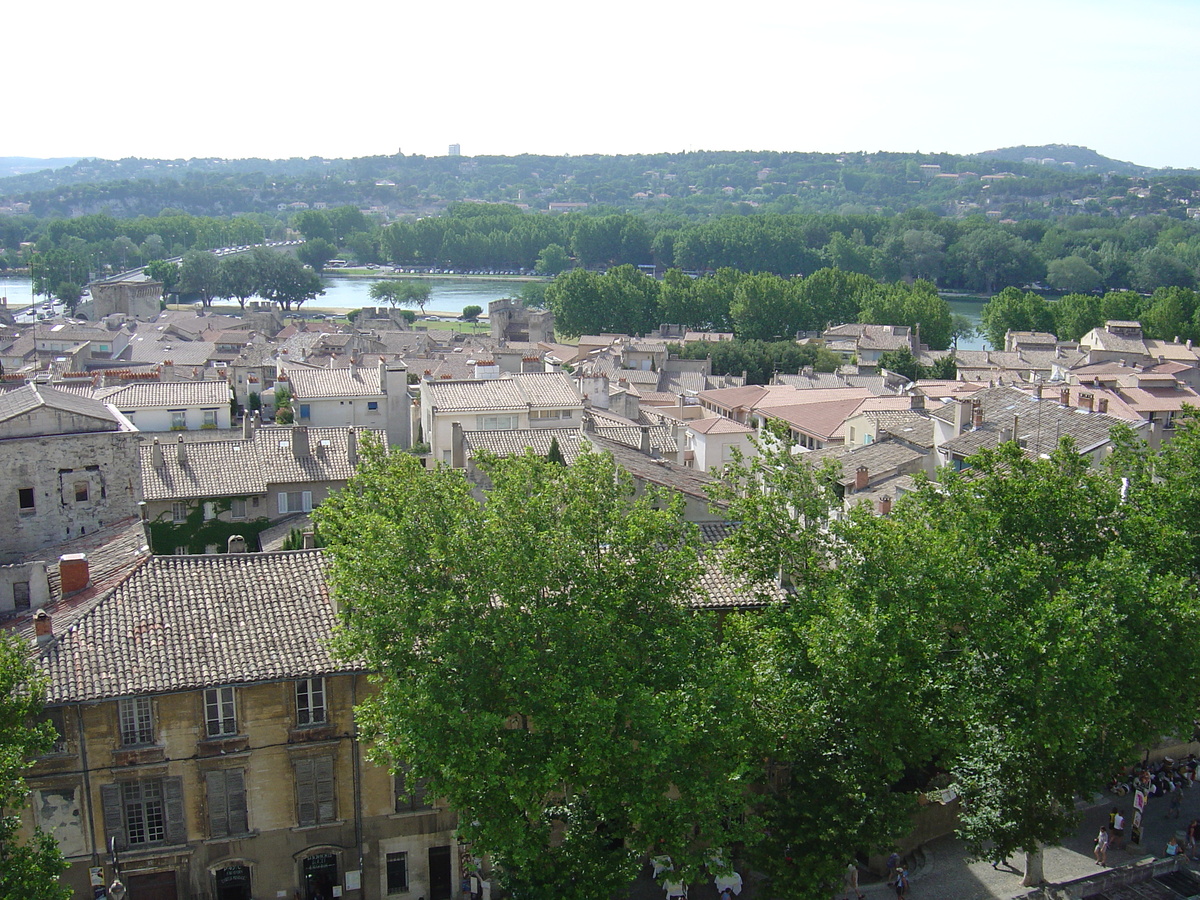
(718, 425)
(328, 459)
(516, 442)
(662, 438)
(179, 623)
(29, 397)
(311, 383)
(167, 394)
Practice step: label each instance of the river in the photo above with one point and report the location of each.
(449, 295)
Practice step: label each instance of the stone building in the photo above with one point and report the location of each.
(136, 295)
(512, 320)
(68, 466)
(207, 734)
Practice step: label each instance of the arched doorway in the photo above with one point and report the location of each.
(319, 874)
(232, 882)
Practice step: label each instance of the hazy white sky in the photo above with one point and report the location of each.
(238, 78)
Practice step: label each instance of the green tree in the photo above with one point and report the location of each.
(30, 868)
(902, 362)
(284, 413)
(402, 292)
(1014, 310)
(553, 259)
(238, 277)
(539, 664)
(1075, 315)
(69, 293)
(472, 313)
(991, 258)
(165, 271)
(316, 252)
(1072, 274)
(284, 280)
(199, 273)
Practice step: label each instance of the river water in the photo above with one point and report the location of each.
(448, 296)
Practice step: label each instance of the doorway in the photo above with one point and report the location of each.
(152, 886)
(441, 880)
(233, 883)
(320, 875)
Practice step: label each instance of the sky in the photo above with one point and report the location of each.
(251, 79)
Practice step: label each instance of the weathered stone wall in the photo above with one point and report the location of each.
(80, 482)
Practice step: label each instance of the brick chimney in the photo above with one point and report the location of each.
(1102, 405)
(976, 413)
(1085, 400)
(916, 400)
(300, 448)
(885, 505)
(43, 628)
(73, 572)
(862, 477)
(1064, 396)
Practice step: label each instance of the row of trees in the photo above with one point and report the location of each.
(274, 275)
(753, 306)
(1015, 634)
(1170, 313)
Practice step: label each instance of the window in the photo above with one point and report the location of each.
(210, 510)
(137, 721)
(81, 492)
(237, 508)
(20, 595)
(314, 791)
(310, 701)
(181, 550)
(305, 411)
(219, 716)
(372, 405)
(549, 414)
(397, 873)
(144, 813)
(497, 423)
(210, 418)
(55, 718)
(25, 500)
(411, 794)
(178, 419)
(226, 789)
(295, 501)
(179, 512)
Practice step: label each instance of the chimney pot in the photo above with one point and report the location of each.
(976, 413)
(862, 477)
(43, 627)
(73, 572)
(1064, 396)
(885, 506)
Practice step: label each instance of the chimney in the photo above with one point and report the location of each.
(976, 413)
(1102, 405)
(235, 544)
(383, 375)
(73, 573)
(960, 416)
(1085, 400)
(644, 444)
(300, 448)
(862, 477)
(247, 425)
(181, 451)
(457, 456)
(1064, 396)
(43, 627)
(352, 448)
(885, 505)
(156, 455)
(1037, 390)
(916, 400)
(309, 540)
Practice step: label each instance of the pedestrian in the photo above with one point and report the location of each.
(852, 882)
(1100, 852)
(1173, 848)
(901, 883)
(1193, 831)
(1118, 829)
(893, 863)
(1176, 802)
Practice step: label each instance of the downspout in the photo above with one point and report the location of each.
(87, 786)
(356, 755)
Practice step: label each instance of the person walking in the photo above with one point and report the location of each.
(1100, 852)
(901, 883)
(893, 863)
(1118, 829)
(1193, 831)
(852, 882)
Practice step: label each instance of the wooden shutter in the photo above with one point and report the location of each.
(306, 501)
(114, 814)
(218, 806)
(326, 807)
(235, 792)
(283, 502)
(173, 808)
(306, 793)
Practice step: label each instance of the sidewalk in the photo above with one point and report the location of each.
(945, 873)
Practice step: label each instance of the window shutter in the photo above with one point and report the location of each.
(306, 793)
(114, 814)
(306, 501)
(218, 807)
(173, 803)
(235, 788)
(283, 507)
(325, 801)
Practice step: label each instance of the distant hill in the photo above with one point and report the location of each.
(1080, 158)
(23, 165)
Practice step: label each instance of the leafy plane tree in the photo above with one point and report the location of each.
(28, 869)
(539, 664)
